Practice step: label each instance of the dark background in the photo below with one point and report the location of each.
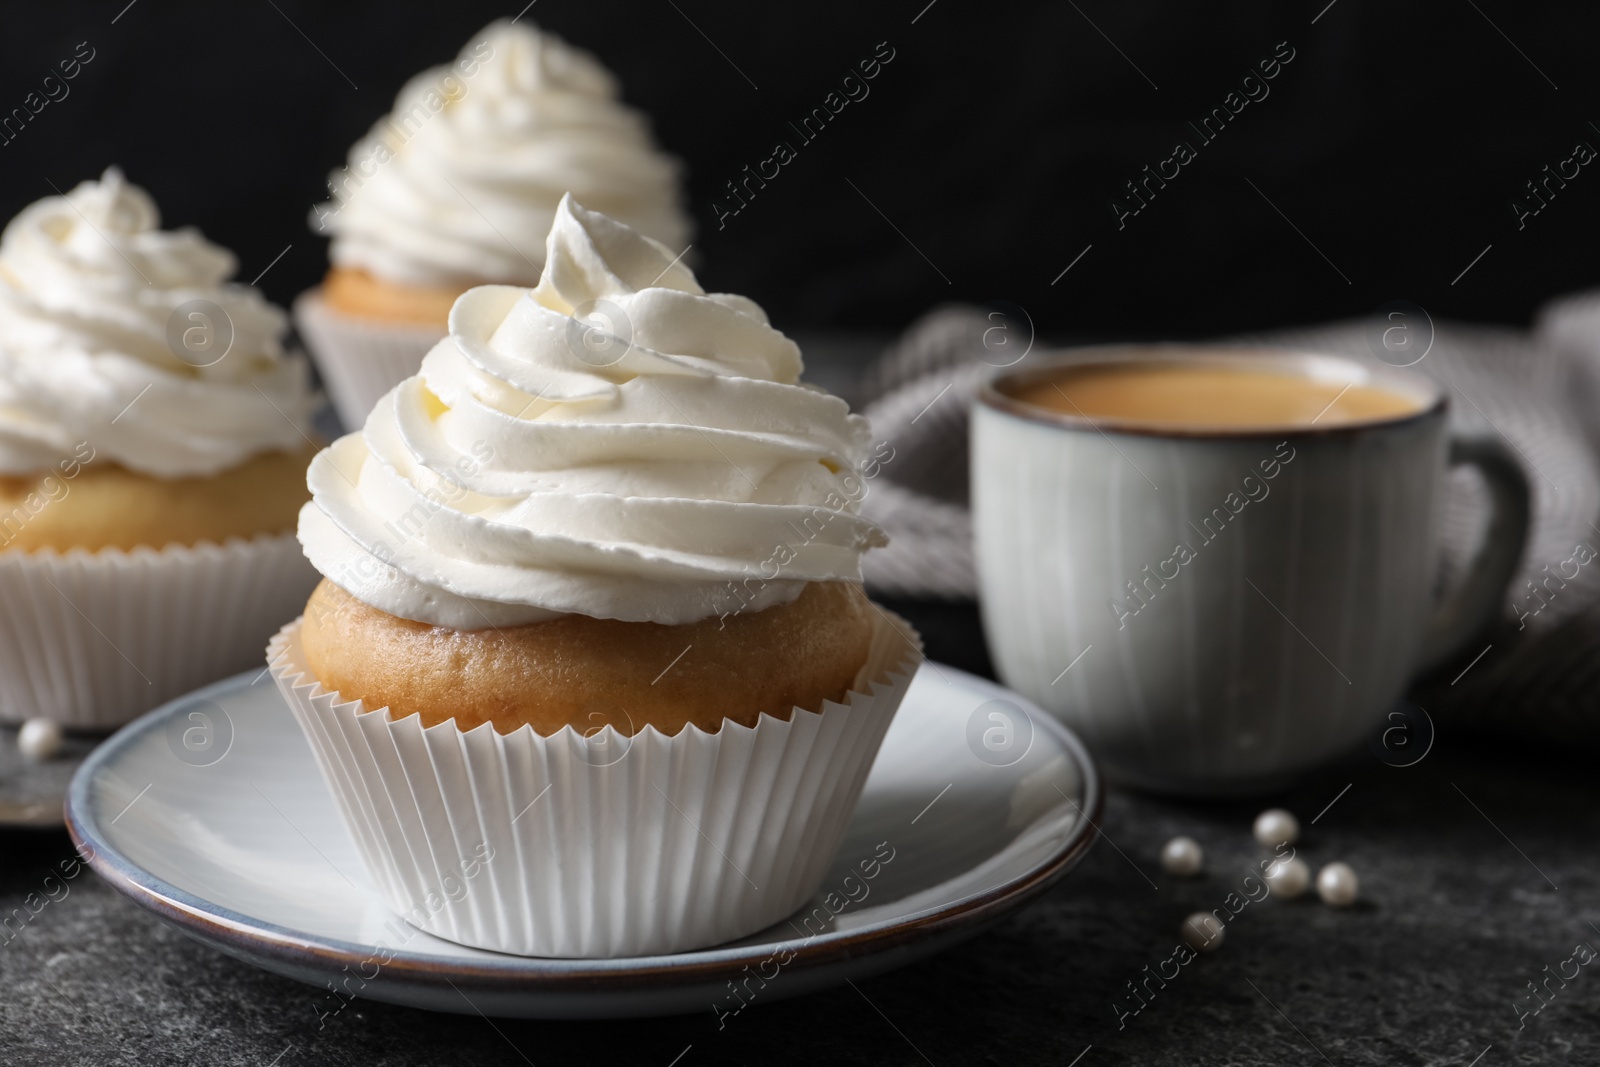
(995, 141)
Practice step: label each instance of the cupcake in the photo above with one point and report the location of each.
(457, 187)
(590, 672)
(153, 444)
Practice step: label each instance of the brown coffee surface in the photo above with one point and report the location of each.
(1210, 397)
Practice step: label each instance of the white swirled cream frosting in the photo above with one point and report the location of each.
(460, 182)
(616, 442)
(117, 333)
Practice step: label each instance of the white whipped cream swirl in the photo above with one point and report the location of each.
(119, 334)
(459, 183)
(664, 467)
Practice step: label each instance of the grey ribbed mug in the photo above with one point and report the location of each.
(1214, 611)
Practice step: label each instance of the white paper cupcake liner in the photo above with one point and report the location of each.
(602, 846)
(360, 359)
(92, 640)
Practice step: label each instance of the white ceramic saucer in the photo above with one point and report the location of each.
(209, 811)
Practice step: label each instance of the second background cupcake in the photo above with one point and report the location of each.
(457, 186)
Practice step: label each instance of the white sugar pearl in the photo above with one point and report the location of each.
(1289, 878)
(1203, 932)
(1276, 827)
(39, 740)
(1337, 885)
(1182, 856)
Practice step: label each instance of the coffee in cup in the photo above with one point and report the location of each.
(1200, 397)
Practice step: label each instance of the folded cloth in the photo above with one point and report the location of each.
(1540, 674)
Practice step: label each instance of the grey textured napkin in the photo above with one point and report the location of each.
(1540, 674)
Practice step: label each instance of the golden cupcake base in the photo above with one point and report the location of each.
(110, 506)
(352, 291)
(585, 672)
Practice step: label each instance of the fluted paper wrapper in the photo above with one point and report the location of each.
(92, 640)
(601, 846)
(360, 359)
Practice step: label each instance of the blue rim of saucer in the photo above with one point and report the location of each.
(256, 938)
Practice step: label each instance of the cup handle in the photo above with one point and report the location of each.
(1471, 606)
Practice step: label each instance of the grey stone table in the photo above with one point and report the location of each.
(1479, 870)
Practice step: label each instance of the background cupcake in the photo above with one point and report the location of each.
(457, 187)
(153, 438)
(617, 563)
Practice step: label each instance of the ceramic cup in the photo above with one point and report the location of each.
(1215, 611)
